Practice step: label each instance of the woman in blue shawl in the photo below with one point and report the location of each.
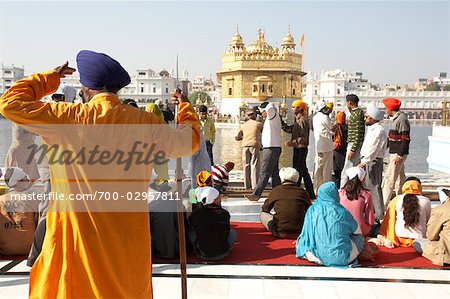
(330, 235)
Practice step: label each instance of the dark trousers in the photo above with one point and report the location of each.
(374, 171)
(38, 240)
(269, 168)
(299, 163)
(192, 239)
(339, 157)
(209, 149)
(41, 228)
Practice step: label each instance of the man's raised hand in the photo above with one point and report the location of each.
(65, 70)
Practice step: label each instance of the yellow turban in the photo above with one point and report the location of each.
(151, 107)
(330, 105)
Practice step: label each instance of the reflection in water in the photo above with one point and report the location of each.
(227, 149)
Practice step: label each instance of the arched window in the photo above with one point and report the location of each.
(263, 88)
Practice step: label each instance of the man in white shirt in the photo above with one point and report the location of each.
(372, 153)
(271, 143)
(323, 135)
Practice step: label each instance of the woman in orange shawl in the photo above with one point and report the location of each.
(390, 236)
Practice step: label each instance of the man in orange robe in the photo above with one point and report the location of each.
(95, 250)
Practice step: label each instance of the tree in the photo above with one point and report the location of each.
(447, 87)
(204, 96)
(433, 87)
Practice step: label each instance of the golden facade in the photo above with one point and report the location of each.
(260, 71)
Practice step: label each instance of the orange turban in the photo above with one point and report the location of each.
(340, 118)
(204, 179)
(412, 187)
(392, 103)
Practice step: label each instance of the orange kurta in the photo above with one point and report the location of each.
(92, 254)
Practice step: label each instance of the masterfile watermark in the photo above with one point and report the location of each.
(105, 167)
(140, 153)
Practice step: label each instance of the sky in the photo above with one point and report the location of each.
(389, 41)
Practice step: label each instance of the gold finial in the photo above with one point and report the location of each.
(237, 29)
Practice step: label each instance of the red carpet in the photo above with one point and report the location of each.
(257, 246)
(13, 257)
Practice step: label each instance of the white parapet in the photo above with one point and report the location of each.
(438, 157)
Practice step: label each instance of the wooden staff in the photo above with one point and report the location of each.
(180, 215)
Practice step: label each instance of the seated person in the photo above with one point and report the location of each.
(164, 229)
(18, 215)
(290, 204)
(330, 235)
(436, 247)
(164, 226)
(203, 179)
(406, 217)
(220, 174)
(358, 200)
(211, 235)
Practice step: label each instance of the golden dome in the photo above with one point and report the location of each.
(237, 40)
(288, 40)
(260, 46)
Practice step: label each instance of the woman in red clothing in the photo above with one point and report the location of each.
(358, 200)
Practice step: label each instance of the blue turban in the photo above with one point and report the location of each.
(98, 71)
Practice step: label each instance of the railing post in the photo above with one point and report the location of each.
(445, 113)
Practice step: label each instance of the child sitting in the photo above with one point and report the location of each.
(211, 235)
(203, 179)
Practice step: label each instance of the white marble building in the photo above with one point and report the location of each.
(147, 86)
(333, 86)
(8, 75)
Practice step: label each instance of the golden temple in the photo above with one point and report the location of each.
(259, 72)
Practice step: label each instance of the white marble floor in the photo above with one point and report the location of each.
(255, 281)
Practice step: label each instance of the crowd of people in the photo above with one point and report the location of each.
(334, 216)
(355, 203)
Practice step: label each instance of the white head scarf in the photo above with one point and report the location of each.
(17, 175)
(289, 174)
(206, 195)
(320, 105)
(442, 196)
(356, 171)
(374, 112)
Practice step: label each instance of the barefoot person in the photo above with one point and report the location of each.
(97, 253)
